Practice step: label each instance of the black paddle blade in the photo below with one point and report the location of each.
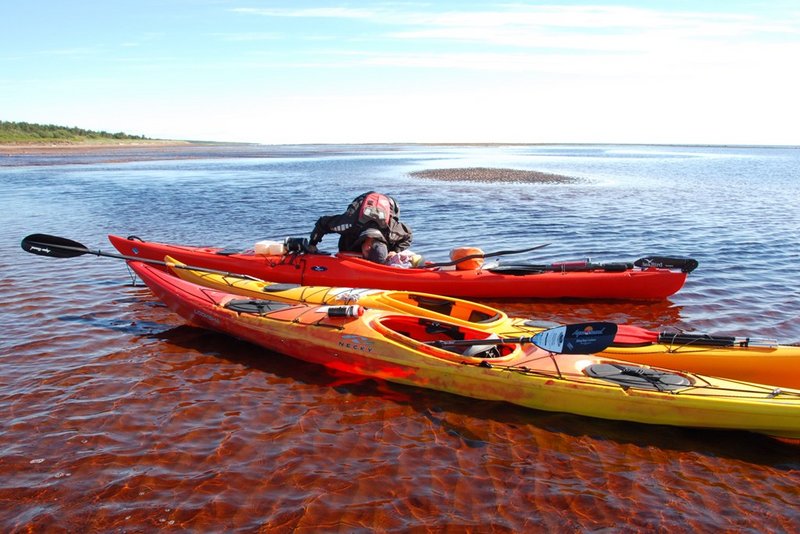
(686, 265)
(581, 338)
(53, 246)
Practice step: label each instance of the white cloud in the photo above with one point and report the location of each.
(419, 72)
(321, 12)
(248, 36)
(605, 40)
(477, 25)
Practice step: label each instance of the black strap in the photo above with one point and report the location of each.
(259, 307)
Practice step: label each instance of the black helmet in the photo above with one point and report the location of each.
(370, 232)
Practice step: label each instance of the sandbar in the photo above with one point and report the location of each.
(486, 174)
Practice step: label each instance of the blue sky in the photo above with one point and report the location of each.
(717, 72)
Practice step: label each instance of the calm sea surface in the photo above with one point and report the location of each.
(115, 416)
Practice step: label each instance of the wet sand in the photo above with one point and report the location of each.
(120, 152)
(80, 147)
(486, 174)
(110, 151)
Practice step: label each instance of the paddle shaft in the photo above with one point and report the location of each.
(487, 341)
(476, 256)
(578, 266)
(634, 335)
(40, 244)
(686, 265)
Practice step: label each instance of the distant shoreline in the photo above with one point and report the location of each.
(72, 147)
(47, 153)
(132, 150)
(49, 147)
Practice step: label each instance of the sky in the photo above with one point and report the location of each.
(314, 71)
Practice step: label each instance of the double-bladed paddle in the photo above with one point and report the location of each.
(685, 265)
(61, 247)
(579, 338)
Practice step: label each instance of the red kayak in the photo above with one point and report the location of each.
(646, 279)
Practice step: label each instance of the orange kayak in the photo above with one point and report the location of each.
(740, 358)
(419, 351)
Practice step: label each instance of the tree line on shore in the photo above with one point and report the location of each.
(16, 132)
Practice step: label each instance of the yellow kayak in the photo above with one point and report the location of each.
(472, 362)
(735, 358)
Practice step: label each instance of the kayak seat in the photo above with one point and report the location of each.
(449, 308)
(480, 317)
(483, 351)
(433, 327)
(443, 306)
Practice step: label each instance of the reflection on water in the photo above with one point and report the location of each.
(117, 416)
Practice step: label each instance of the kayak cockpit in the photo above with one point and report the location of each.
(432, 336)
(447, 307)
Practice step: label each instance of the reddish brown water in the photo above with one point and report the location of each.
(116, 417)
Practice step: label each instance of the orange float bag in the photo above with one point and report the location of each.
(470, 264)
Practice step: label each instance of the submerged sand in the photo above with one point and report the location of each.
(47, 153)
(486, 174)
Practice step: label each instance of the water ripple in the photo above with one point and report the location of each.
(117, 416)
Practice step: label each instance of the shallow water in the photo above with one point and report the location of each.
(119, 417)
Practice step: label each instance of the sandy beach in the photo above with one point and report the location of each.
(100, 143)
(117, 151)
(8, 149)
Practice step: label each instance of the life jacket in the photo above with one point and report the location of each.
(377, 208)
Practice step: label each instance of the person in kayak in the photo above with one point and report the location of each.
(372, 244)
(370, 211)
(374, 248)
